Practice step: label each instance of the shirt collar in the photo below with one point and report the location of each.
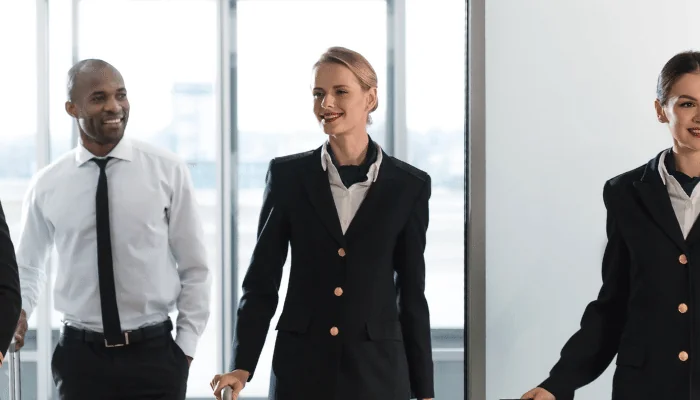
(123, 151)
(373, 172)
(663, 171)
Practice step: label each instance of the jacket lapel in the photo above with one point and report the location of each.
(694, 234)
(319, 191)
(379, 197)
(654, 196)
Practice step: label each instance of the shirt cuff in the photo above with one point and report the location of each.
(187, 342)
(27, 306)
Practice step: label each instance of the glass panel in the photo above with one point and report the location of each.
(274, 101)
(18, 116)
(60, 61)
(168, 57)
(435, 107)
(18, 107)
(18, 110)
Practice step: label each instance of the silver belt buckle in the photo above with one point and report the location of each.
(126, 341)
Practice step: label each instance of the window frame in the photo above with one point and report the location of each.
(44, 349)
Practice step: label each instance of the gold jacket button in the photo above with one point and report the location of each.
(341, 252)
(334, 331)
(682, 308)
(683, 356)
(683, 259)
(338, 291)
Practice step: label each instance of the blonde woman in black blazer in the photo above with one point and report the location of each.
(355, 323)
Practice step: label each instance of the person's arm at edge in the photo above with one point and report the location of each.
(10, 295)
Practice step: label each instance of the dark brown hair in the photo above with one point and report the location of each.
(679, 65)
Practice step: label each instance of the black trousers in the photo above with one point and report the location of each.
(153, 369)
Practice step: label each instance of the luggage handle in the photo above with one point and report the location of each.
(15, 372)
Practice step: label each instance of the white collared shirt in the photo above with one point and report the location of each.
(160, 261)
(686, 208)
(348, 200)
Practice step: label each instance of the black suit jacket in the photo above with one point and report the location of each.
(367, 284)
(648, 309)
(10, 298)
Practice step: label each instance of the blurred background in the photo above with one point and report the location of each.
(226, 85)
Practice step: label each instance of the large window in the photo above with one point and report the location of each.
(435, 143)
(18, 106)
(170, 54)
(18, 120)
(275, 106)
(434, 137)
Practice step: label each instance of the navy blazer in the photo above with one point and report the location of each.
(648, 309)
(355, 323)
(10, 298)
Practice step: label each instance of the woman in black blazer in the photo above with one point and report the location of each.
(648, 309)
(10, 299)
(355, 323)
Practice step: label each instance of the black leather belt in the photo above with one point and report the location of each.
(130, 337)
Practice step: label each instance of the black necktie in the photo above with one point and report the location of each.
(108, 297)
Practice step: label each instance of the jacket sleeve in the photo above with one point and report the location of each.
(588, 353)
(414, 314)
(10, 298)
(262, 280)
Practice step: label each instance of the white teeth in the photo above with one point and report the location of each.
(113, 121)
(330, 117)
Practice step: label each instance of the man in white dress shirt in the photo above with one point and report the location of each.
(123, 218)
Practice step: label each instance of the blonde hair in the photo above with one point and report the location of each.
(357, 64)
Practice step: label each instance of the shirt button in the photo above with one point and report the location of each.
(334, 331)
(683, 356)
(682, 308)
(341, 252)
(683, 259)
(338, 291)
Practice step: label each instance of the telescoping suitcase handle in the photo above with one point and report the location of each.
(226, 394)
(15, 374)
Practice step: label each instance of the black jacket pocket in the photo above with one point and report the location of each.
(630, 355)
(390, 330)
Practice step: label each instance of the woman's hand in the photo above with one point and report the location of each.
(538, 394)
(236, 380)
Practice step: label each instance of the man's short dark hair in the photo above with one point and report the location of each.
(87, 65)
